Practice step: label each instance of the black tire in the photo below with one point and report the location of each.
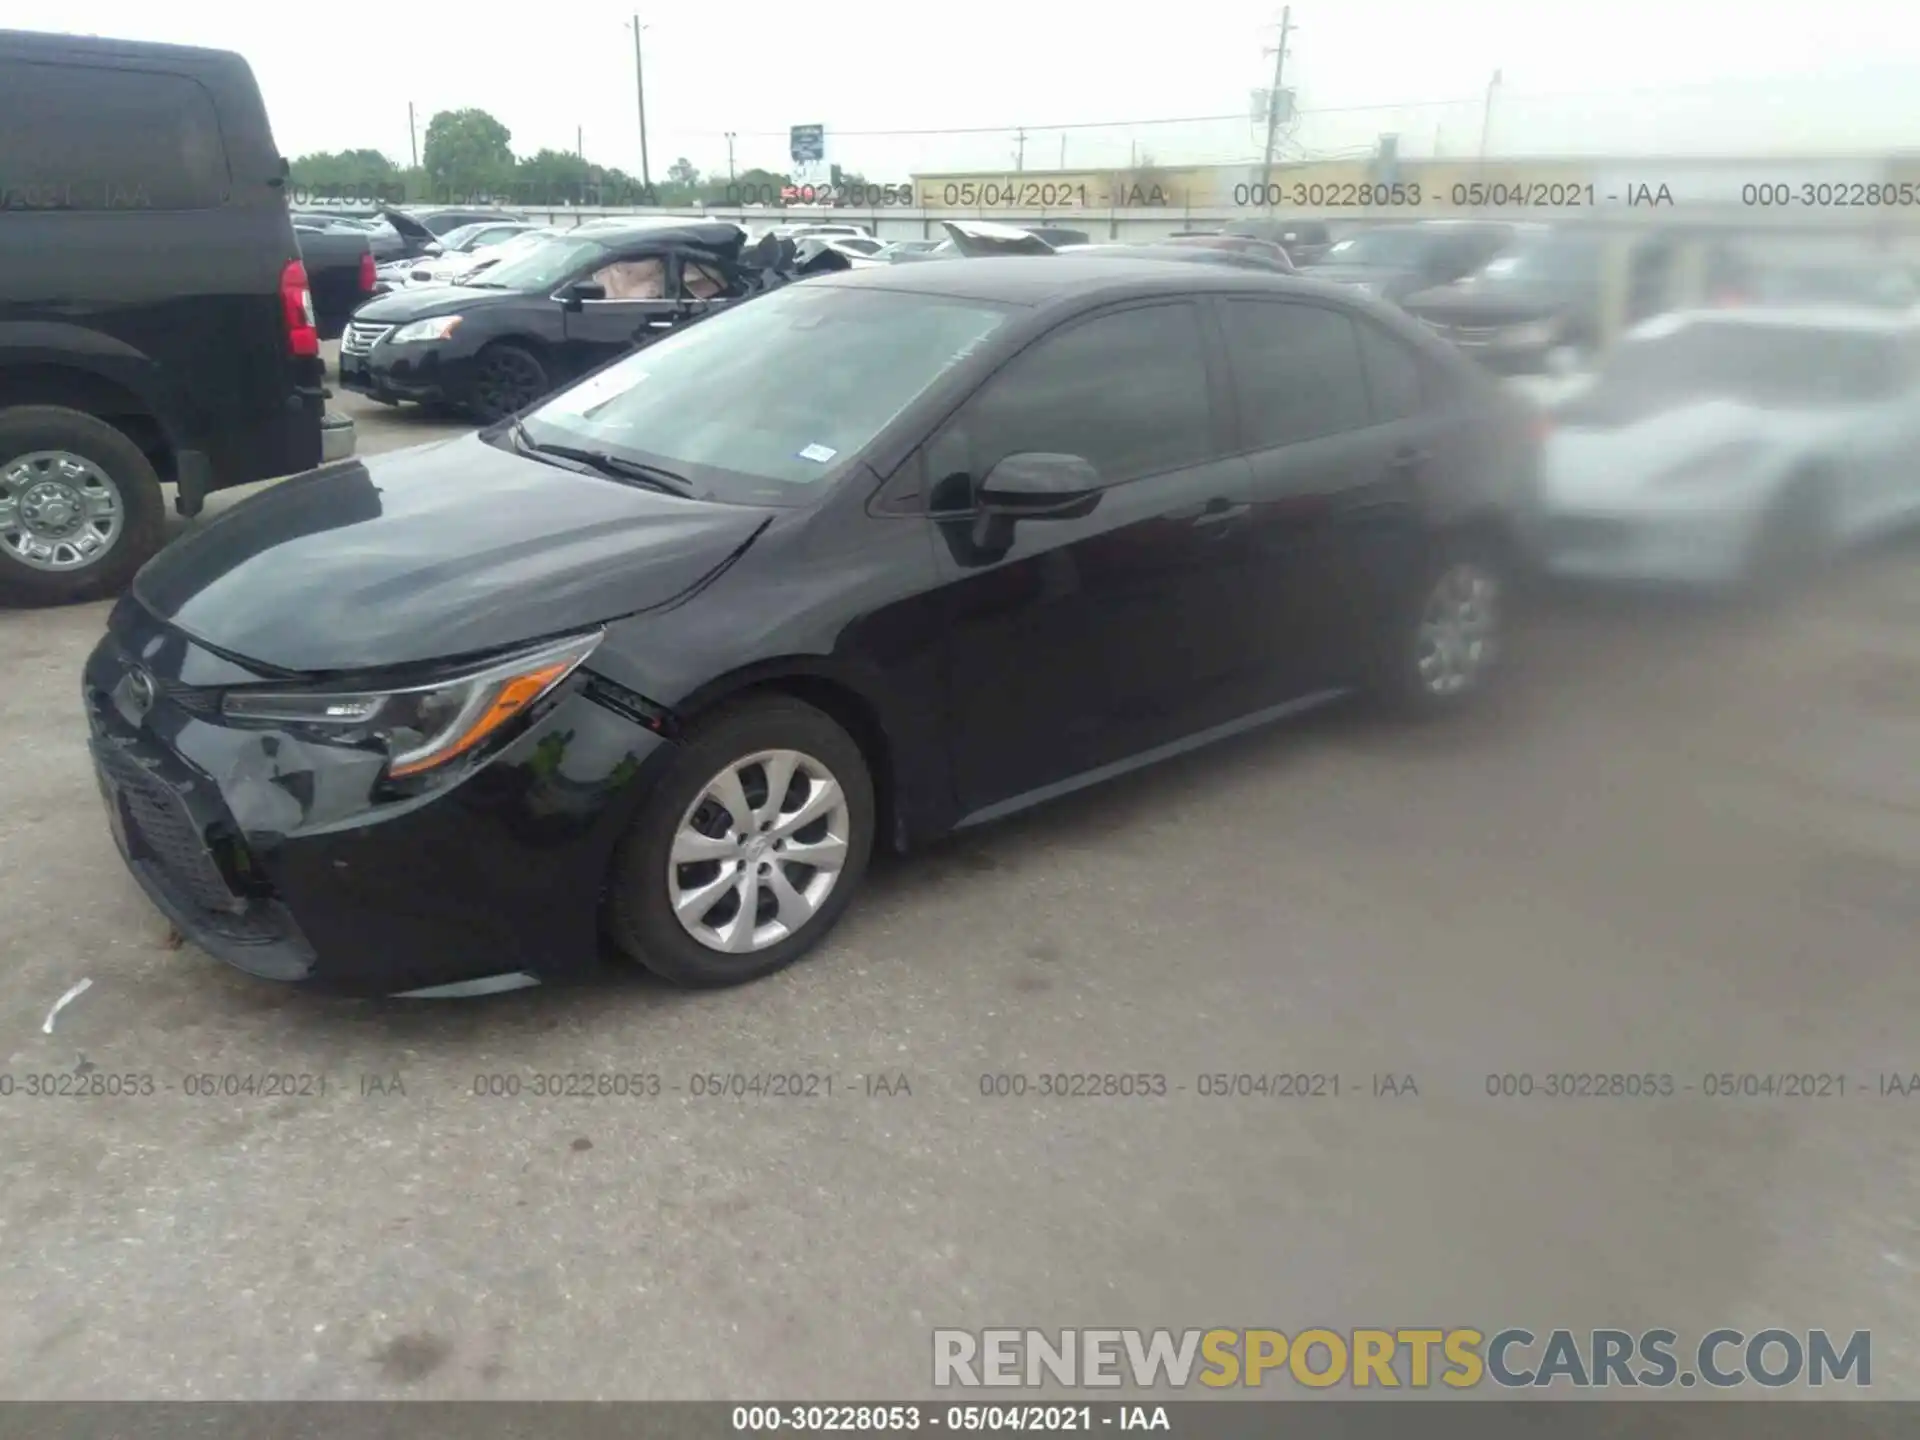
(1397, 680)
(506, 378)
(28, 429)
(639, 911)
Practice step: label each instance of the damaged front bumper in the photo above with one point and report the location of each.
(283, 857)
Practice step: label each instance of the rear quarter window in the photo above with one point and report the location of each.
(96, 137)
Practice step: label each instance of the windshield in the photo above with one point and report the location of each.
(544, 265)
(1391, 247)
(1775, 365)
(463, 236)
(762, 403)
(1544, 260)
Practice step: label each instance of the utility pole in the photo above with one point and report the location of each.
(640, 94)
(413, 136)
(1273, 97)
(1486, 115)
(580, 142)
(1020, 153)
(730, 175)
(1063, 151)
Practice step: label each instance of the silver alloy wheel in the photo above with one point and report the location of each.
(758, 851)
(1459, 629)
(58, 510)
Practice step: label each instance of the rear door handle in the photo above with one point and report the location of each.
(1220, 512)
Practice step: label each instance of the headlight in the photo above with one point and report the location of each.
(438, 328)
(422, 726)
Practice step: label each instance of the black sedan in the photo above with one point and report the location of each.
(1390, 262)
(534, 322)
(1539, 295)
(876, 556)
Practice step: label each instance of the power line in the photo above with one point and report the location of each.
(1239, 119)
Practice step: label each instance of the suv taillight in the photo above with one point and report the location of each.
(296, 303)
(366, 274)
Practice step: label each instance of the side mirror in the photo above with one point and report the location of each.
(433, 247)
(1039, 484)
(583, 290)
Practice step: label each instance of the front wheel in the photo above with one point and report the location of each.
(1442, 648)
(506, 378)
(749, 850)
(80, 506)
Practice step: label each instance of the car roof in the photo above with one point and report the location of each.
(51, 43)
(705, 234)
(1040, 280)
(1857, 319)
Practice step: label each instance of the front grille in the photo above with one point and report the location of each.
(157, 820)
(360, 337)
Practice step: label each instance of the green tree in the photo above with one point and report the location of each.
(553, 177)
(682, 173)
(362, 176)
(468, 152)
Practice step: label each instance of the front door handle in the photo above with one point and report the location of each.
(659, 324)
(1220, 512)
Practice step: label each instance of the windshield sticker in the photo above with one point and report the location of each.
(819, 454)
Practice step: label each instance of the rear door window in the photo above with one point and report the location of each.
(94, 137)
(1297, 371)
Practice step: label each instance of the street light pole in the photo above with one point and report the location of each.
(730, 176)
(640, 94)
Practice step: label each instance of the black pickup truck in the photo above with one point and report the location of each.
(155, 319)
(339, 263)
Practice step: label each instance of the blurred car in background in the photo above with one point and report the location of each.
(855, 247)
(1270, 250)
(1874, 283)
(1539, 295)
(1058, 235)
(1734, 447)
(340, 272)
(895, 248)
(1305, 241)
(459, 250)
(1390, 262)
(1195, 254)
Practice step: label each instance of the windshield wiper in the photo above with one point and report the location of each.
(607, 463)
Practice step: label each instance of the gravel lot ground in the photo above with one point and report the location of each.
(1684, 841)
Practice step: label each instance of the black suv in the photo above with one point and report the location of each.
(155, 321)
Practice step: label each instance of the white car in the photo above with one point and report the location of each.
(1716, 448)
(462, 251)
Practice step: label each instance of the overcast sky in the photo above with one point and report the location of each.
(1682, 76)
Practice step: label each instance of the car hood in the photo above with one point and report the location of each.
(422, 301)
(442, 550)
(1586, 463)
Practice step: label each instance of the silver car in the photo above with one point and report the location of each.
(1724, 447)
